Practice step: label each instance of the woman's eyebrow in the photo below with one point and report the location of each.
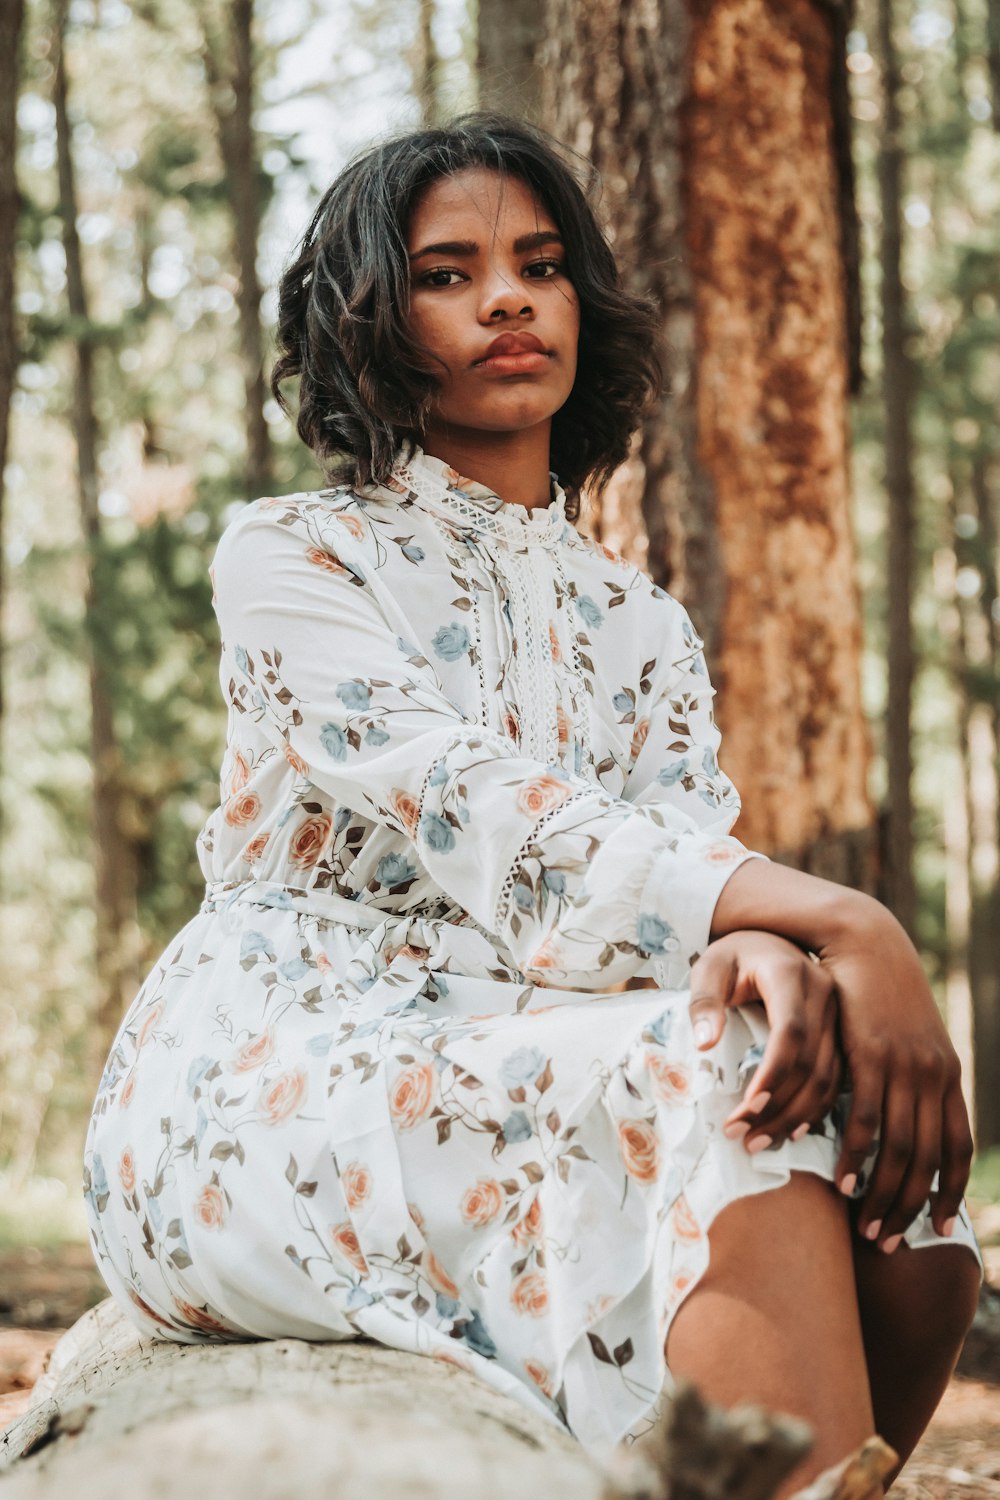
(470, 247)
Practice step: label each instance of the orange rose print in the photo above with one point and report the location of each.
(412, 1095)
(324, 560)
(541, 795)
(210, 1207)
(406, 809)
(278, 1101)
(199, 1318)
(540, 1374)
(610, 555)
(254, 1053)
(353, 524)
(448, 1358)
(671, 1080)
(255, 848)
(241, 773)
(346, 1241)
(438, 1276)
(680, 1284)
(149, 1021)
(529, 1230)
(640, 1149)
(356, 1181)
(722, 853)
(242, 809)
(511, 726)
(554, 643)
(126, 1169)
(529, 1293)
(548, 956)
(128, 1089)
(309, 841)
(686, 1226)
(482, 1203)
(295, 760)
(638, 737)
(563, 725)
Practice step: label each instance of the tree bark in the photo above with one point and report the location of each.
(425, 64)
(507, 63)
(227, 54)
(239, 1419)
(117, 930)
(898, 388)
(704, 119)
(11, 25)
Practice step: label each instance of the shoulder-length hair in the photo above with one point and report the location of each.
(342, 301)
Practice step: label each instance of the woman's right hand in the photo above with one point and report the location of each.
(799, 1076)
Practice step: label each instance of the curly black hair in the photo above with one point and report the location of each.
(344, 296)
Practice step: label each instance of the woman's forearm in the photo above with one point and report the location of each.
(774, 898)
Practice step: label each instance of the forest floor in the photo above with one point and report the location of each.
(43, 1291)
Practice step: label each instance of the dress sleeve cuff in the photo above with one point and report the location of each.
(678, 902)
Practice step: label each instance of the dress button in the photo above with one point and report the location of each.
(671, 944)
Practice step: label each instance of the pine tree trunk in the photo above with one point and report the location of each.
(704, 120)
(425, 64)
(507, 64)
(228, 59)
(11, 24)
(117, 933)
(898, 389)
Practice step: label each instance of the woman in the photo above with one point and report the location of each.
(384, 1082)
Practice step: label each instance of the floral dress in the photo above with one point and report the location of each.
(385, 1082)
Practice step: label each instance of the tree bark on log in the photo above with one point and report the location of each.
(267, 1419)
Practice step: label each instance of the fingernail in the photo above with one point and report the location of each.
(759, 1143)
(891, 1243)
(704, 1031)
(757, 1103)
(848, 1184)
(800, 1131)
(948, 1227)
(872, 1232)
(736, 1130)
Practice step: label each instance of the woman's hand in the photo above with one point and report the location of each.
(904, 1072)
(905, 1078)
(799, 1076)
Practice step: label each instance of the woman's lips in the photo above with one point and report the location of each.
(521, 363)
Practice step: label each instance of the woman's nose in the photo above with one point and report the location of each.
(504, 292)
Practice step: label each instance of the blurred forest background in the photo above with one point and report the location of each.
(810, 186)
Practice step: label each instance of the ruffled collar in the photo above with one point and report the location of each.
(472, 506)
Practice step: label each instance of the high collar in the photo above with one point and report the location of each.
(470, 505)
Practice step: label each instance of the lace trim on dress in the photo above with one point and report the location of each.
(507, 889)
(516, 526)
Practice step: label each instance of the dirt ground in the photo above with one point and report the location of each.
(43, 1291)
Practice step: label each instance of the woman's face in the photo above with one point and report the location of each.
(487, 260)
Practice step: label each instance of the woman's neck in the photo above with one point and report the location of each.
(515, 465)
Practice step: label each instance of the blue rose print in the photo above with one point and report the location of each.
(447, 1307)
(375, 735)
(516, 1127)
(437, 832)
(255, 942)
(523, 897)
(334, 741)
(668, 775)
(591, 612)
(197, 1071)
(343, 817)
(439, 774)
(451, 641)
(555, 880)
(394, 869)
(319, 1046)
(413, 552)
(623, 703)
(354, 694)
(521, 1067)
(653, 935)
(241, 660)
(293, 969)
(475, 1335)
(661, 1028)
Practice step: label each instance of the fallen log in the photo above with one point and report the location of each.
(275, 1419)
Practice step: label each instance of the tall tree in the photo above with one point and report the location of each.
(11, 25)
(704, 119)
(114, 854)
(508, 36)
(227, 53)
(898, 392)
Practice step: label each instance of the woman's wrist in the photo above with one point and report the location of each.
(805, 908)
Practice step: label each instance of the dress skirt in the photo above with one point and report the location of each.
(293, 1137)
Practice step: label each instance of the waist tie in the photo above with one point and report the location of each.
(410, 945)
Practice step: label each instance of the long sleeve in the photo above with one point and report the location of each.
(581, 887)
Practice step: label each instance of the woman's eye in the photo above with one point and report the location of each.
(441, 271)
(557, 265)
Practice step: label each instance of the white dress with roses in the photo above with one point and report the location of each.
(386, 1081)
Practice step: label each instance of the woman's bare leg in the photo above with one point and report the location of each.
(916, 1308)
(775, 1318)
